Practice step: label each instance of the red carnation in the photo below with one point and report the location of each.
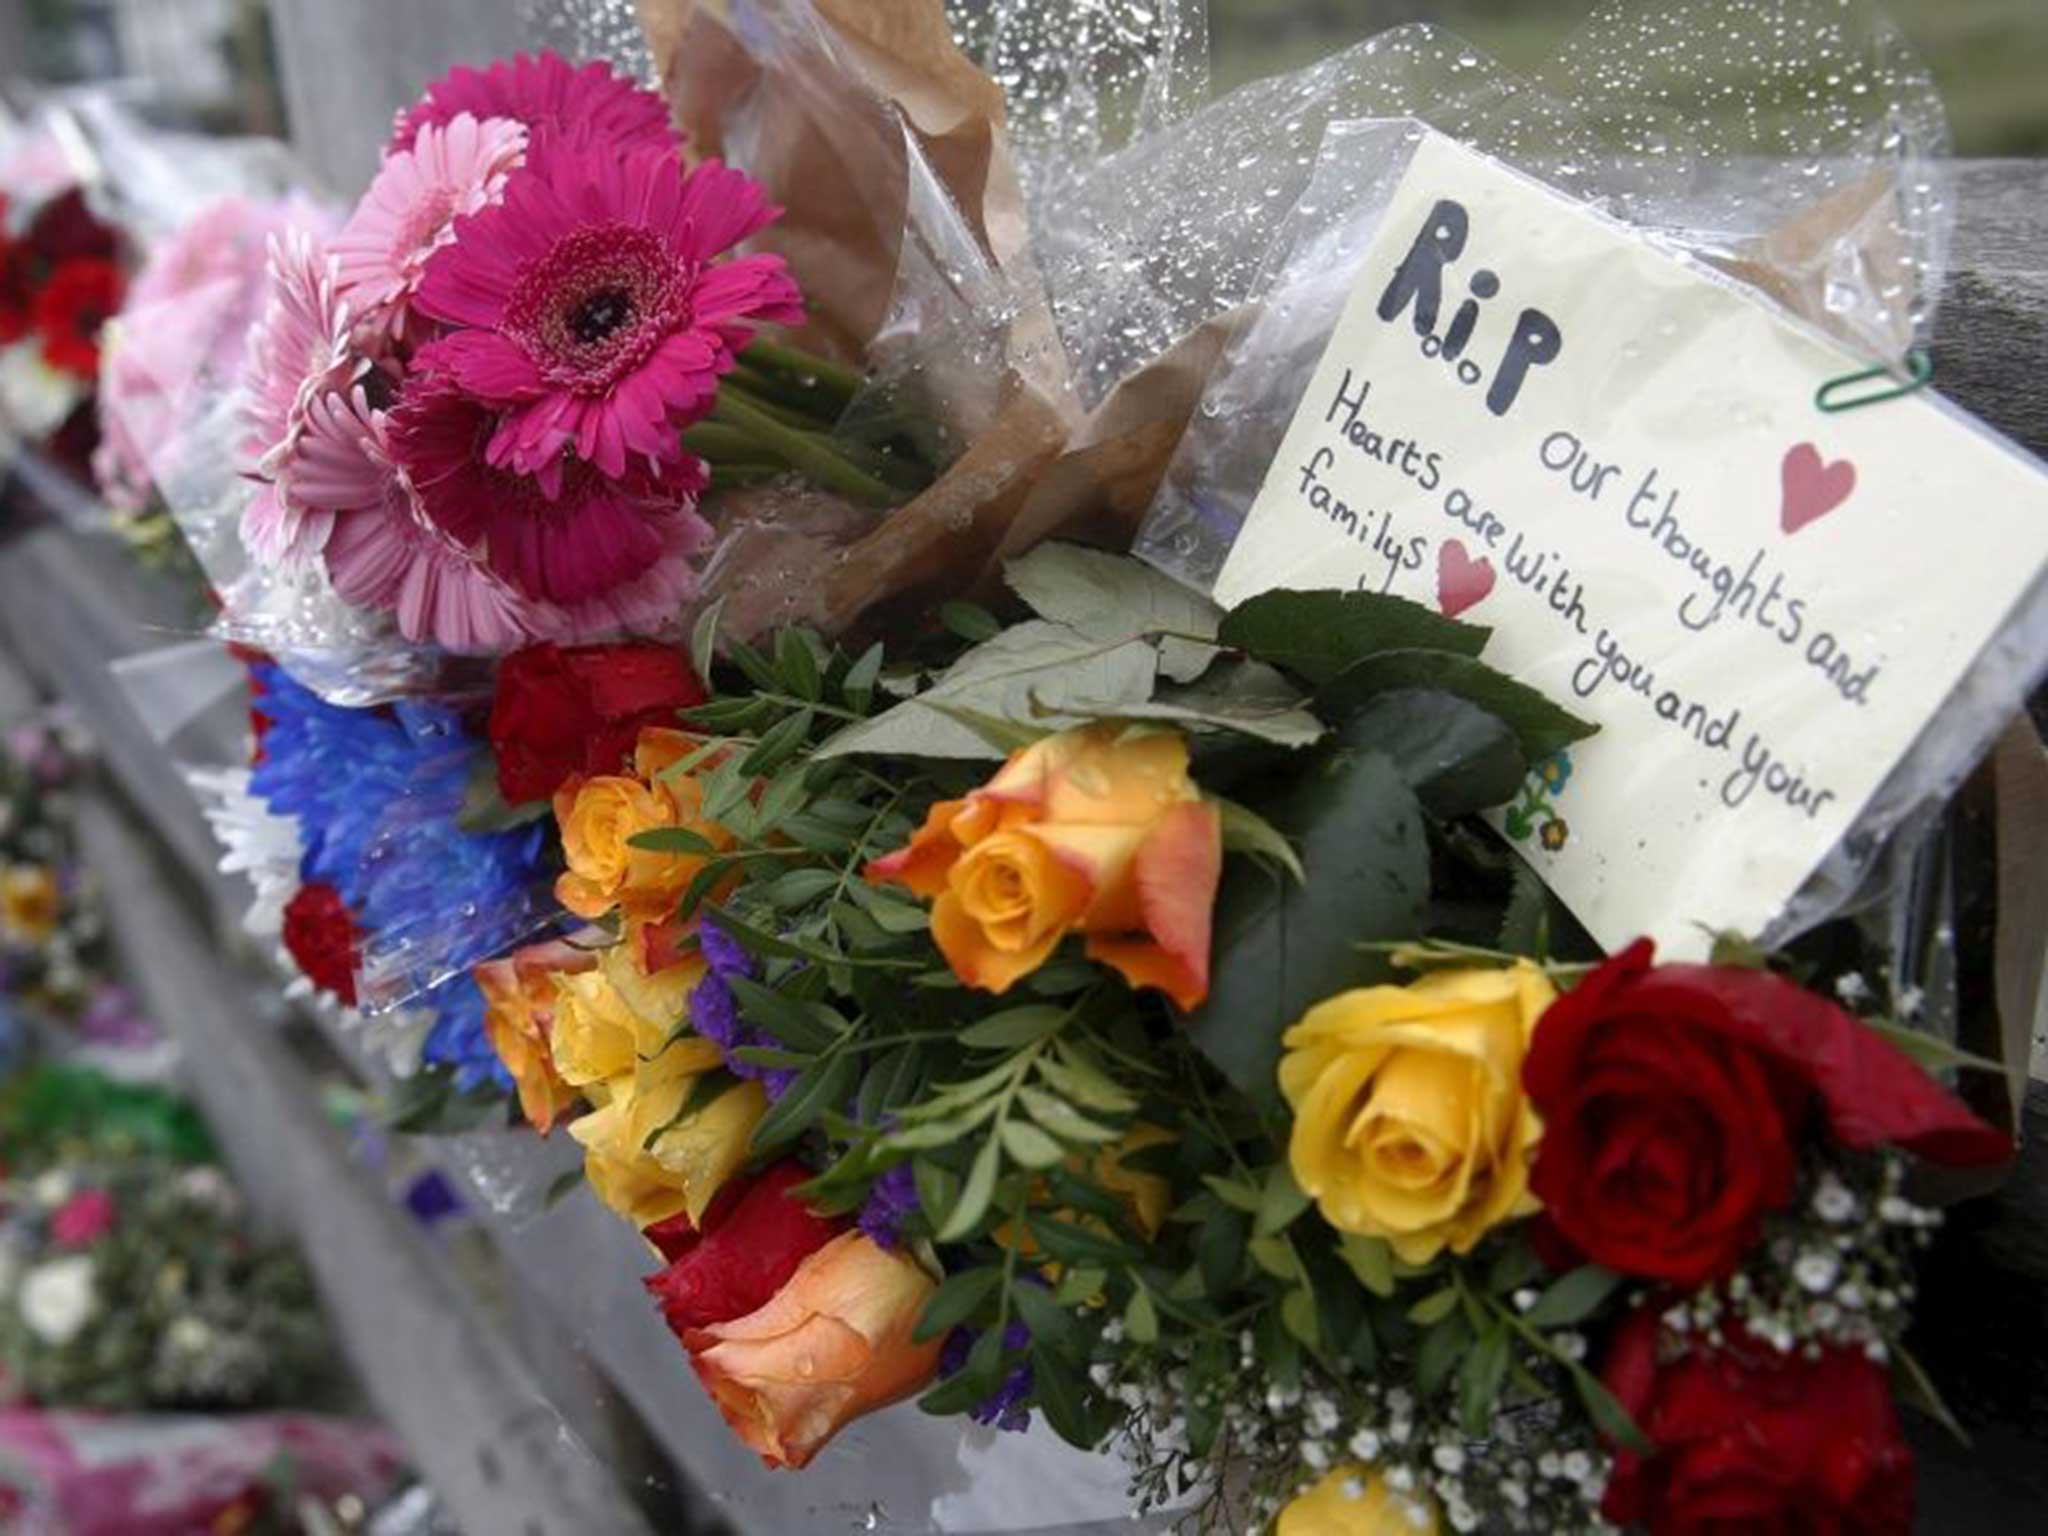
(1748, 1439)
(66, 229)
(320, 933)
(1673, 1099)
(72, 308)
(742, 1258)
(561, 712)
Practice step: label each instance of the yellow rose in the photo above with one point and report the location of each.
(648, 1177)
(31, 902)
(519, 1014)
(599, 818)
(1354, 1501)
(608, 1018)
(1097, 831)
(1409, 1118)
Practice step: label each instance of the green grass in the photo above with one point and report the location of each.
(1990, 57)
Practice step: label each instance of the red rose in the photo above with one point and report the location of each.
(1673, 1099)
(740, 1260)
(561, 712)
(1748, 1439)
(70, 311)
(320, 933)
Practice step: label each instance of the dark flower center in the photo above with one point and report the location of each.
(601, 314)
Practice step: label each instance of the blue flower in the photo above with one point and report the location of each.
(891, 1199)
(377, 795)
(1005, 1407)
(715, 1012)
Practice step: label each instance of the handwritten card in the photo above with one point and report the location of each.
(1532, 418)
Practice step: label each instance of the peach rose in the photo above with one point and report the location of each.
(519, 1015)
(599, 818)
(1097, 831)
(832, 1344)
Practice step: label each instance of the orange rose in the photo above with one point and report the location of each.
(599, 817)
(832, 1344)
(1098, 831)
(519, 1015)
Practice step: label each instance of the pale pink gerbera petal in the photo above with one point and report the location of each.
(589, 308)
(299, 354)
(388, 556)
(452, 169)
(549, 95)
(648, 605)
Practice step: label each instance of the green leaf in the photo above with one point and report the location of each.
(1235, 1193)
(824, 1085)
(973, 1382)
(1525, 928)
(1276, 1256)
(1025, 676)
(1316, 635)
(704, 641)
(1440, 1352)
(858, 686)
(1740, 951)
(1434, 1308)
(1049, 1322)
(1279, 1203)
(1074, 1075)
(1063, 1396)
(778, 745)
(1030, 1146)
(1141, 1318)
(1062, 1119)
(975, 1195)
(1539, 725)
(1452, 753)
(970, 621)
(673, 840)
(755, 665)
(1371, 1259)
(1282, 946)
(798, 664)
(1112, 597)
(1607, 1414)
(780, 800)
(957, 1299)
(938, 1188)
(1298, 1313)
(1930, 1051)
(1220, 1250)
(1572, 1298)
(1246, 831)
(1480, 1379)
(798, 887)
(1072, 1244)
(888, 1083)
(795, 1024)
(1014, 1027)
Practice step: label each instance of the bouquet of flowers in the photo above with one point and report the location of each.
(61, 280)
(129, 1280)
(1209, 1077)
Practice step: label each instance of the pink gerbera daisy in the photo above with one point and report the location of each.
(588, 307)
(572, 541)
(549, 95)
(411, 207)
(384, 553)
(299, 353)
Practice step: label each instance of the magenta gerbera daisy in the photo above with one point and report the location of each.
(572, 540)
(549, 95)
(299, 353)
(588, 307)
(411, 207)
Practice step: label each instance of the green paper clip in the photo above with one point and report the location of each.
(1919, 369)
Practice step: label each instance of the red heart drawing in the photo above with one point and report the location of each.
(1813, 488)
(1461, 581)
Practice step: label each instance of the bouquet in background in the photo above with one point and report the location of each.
(61, 281)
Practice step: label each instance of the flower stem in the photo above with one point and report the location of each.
(816, 378)
(808, 456)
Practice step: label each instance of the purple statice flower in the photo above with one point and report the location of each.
(891, 1199)
(715, 1013)
(113, 1017)
(1004, 1408)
